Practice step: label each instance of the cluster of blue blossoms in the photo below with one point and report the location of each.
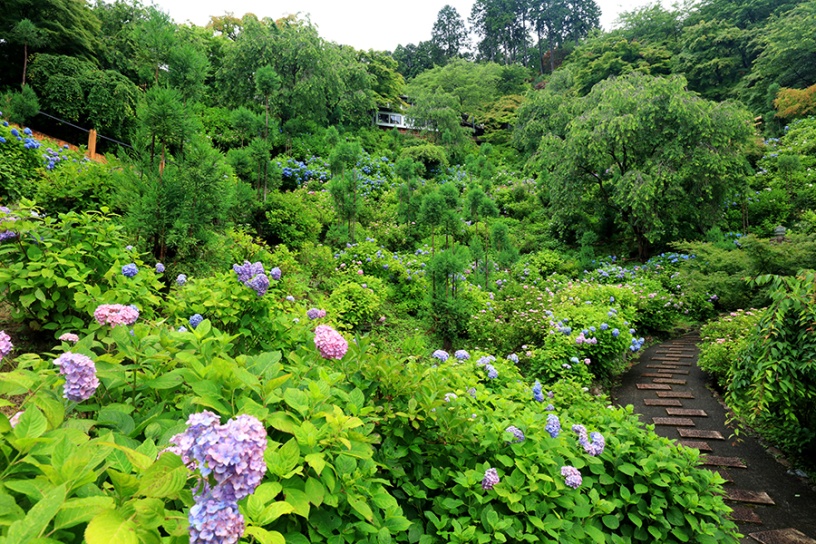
(253, 276)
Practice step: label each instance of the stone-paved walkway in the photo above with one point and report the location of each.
(667, 389)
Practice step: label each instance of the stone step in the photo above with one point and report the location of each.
(653, 375)
(688, 412)
(720, 461)
(744, 514)
(672, 371)
(671, 381)
(675, 394)
(696, 444)
(743, 495)
(782, 536)
(653, 386)
(673, 421)
(700, 433)
(662, 402)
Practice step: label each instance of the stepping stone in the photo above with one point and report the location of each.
(743, 495)
(696, 444)
(662, 402)
(654, 386)
(653, 375)
(782, 536)
(673, 421)
(669, 380)
(743, 514)
(700, 433)
(675, 394)
(720, 461)
(688, 412)
(672, 371)
(659, 366)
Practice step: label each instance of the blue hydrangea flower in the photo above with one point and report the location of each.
(195, 320)
(130, 270)
(553, 425)
(518, 434)
(181, 279)
(275, 273)
(159, 268)
(615, 333)
(440, 354)
(572, 476)
(462, 355)
(80, 376)
(604, 326)
(538, 394)
(213, 520)
(492, 373)
(513, 358)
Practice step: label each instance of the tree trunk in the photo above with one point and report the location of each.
(25, 61)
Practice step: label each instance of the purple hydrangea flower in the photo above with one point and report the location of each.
(550, 408)
(130, 270)
(159, 268)
(462, 355)
(213, 520)
(80, 376)
(491, 478)
(259, 284)
(290, 298)
(231, 453)
(5, 344)
(472, 392)
(314, 313)
(538, 394)
(450, 396)
(181, 279)
(553, 425)
(5, 214)
(596, 447)
(572, 477)
(275, 273)
(440, 354)
(182, 329)
(492, 373)
(195, 320)
(604, 326)
(513, 358)
(518, 434)
(615, 333)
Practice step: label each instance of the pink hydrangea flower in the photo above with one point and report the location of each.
(69, 337)
(15, 419)
(330, 343)
(116, 314)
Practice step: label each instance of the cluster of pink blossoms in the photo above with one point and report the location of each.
(330, 343)
(116, 314)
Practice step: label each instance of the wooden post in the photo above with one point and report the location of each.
(92, 144)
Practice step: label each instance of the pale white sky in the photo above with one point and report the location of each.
(364, 24)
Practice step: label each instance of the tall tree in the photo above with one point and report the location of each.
(449, 33)
(657, 184)
(26, 33)
(503, 26)
(550, 20)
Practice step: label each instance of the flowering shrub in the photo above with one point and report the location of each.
(724, 341)
(357, 304)
(18, 164)
(88, 251)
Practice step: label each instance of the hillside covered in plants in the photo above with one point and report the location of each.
(260, 317)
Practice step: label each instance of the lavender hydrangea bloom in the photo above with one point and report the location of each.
(195, 320)
(159, 268)
(462, 355)
(538, 394)
(290, 298)
(314, 313)
(472, 392)
(492, 373)
(604, 326)
(518, 434)
(450, 396)
(259, 284)
(231, 453)
(491, 478)
(80, 376)
(181, 279)
(5, 344)
(130, 270)
(513, 358)
(69, 337)
(247, 270)
(553, 425)
(275, 273)
(572, 476)
(213, 520)
(550, 408)
(15, 419)
(440, 354)
(596, 447)
(615, 333)
(6, 234)
(182, 329)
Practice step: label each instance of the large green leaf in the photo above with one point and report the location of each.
(165, 478)
(36, 521)
(109, 527)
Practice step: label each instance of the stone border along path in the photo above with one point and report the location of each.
(771, 505)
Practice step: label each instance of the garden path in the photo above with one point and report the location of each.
(772, 504)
